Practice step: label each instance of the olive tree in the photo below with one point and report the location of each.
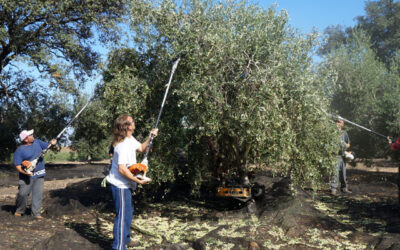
(245, 93)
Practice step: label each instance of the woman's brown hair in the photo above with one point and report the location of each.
(120, 131)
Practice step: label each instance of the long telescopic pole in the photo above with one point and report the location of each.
(144, 164)
(33, 163)
(162, 106)
(65, 128)
(362, 127)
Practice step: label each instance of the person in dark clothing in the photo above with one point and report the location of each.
(30, 182)
(111, 151)
(340, 175)
(107, 168)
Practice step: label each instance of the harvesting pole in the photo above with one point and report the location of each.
(359, 126)
(143, 166)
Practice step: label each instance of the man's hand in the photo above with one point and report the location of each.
(389, 140)
(20, 170)
(53, 142)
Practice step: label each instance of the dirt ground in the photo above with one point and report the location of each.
(79, 214)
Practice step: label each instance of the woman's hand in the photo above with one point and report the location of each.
(144, 182)
(154, 132)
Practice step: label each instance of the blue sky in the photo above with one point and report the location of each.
(304, 14)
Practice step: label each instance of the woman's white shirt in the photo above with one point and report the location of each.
(124, 153)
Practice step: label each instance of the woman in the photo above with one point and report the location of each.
(122, 180)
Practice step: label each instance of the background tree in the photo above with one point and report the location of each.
(244, 93)
(335, 37)
(367, 62)
(93, 130)
(382, 23)
(48, 46)
(365, 93)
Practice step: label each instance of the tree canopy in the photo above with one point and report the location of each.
(46, 48)
(244, 93)
(382, 23)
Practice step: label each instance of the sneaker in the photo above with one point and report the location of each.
(16, 214)
(333, 192)
(39, 217)
(345, 190)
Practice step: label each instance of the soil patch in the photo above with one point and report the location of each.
(79, 215)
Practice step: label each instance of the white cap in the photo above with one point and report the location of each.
(25, 133)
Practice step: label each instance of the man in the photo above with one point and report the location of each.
(395, 146)
(30, 181)
(122, 180)
(344, 143)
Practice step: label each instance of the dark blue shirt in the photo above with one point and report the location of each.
(343, 140)
(29, 153)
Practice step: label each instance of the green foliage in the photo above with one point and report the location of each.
(60, 156)
(46, 116)
(244, 93)
(134, 87)
(366, 60)
(366, 93)
(92, 152)
(43, 31)
(381, 22)
(335, 36)
(91, 137)
(7, 141)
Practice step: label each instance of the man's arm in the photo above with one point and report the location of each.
(18, 161)
(44, 145)
(347, 140)
(123, 169)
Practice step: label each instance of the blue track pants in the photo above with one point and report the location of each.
(122, 198)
